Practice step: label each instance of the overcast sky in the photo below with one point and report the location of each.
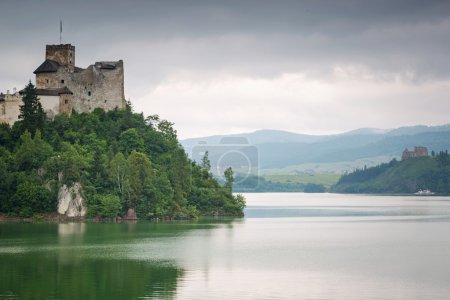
(218, 67)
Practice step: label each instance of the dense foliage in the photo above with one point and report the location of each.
(407, 176)
(122, 160)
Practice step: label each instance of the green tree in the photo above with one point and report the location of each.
(105, 206)
(31, 111)
(68, 165)
(131, 141)
(163, 126)
(6, 136)
(315, 188)
(229, 179)
(206, 163)
(140, 174)
(32, 152)
(117, 171)
(7, 176)
(158, 197)
(109, 154)
(31, 197)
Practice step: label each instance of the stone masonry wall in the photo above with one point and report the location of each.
(10, 108)
(63, 54)
(92, 87)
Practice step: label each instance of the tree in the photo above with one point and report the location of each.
(131, 141)
(117, 171)
(108, 153)
(163, 126)
(206, 163)
(229, 179)
(140, 174)
(32, 152)
(68, 165)
(315, 188)
(31, 111)
(31, 197)
(105, 206)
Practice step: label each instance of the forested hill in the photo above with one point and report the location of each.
(121, 159)
(406, 176)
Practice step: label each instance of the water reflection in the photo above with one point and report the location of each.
(103, 261)
(290, 246)
(26, 276)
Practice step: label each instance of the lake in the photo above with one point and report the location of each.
(288, 246)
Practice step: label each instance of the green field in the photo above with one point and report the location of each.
(326, 180)
(339, 167)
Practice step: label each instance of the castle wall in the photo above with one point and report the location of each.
(63, 54)
(50, 105)
(10, 108)
(92, 87)
(47, 80)
(65, 104)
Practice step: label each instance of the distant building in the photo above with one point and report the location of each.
(418, 152)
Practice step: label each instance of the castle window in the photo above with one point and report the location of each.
(89, 93)
(62, 80)
(66, 101)
(47, 80)
(106, 100)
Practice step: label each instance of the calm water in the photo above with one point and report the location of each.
(289, 246)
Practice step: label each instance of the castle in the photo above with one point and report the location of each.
(63, 87)
(418, 152)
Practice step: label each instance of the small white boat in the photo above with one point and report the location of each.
(424, 193)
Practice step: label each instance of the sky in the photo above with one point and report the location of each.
(223, 67)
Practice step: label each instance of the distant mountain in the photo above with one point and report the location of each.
(365, 131)
(280, 149)
(418, 129)
(258, 137)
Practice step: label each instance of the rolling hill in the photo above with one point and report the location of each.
(293, 153)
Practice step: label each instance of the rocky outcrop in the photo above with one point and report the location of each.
(70, 201)
(131, 215)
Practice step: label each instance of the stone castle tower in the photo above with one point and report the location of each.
(62, 54)
(63, 87)
(99, 85)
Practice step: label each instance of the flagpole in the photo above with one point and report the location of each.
(60, 31)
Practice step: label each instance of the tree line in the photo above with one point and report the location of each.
(406, 176)
(121, 158)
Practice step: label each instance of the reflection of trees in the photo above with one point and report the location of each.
(92, 261)
(28, 277)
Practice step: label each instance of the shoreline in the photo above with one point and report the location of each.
(40, 218)
(55, 218)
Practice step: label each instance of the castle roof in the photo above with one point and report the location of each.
(53, 92)
(106, 65)
(47, 66)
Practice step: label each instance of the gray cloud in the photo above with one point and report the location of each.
(200, 40)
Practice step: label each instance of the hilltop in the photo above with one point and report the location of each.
(406, 176)
(104, 164)
(282, 152)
